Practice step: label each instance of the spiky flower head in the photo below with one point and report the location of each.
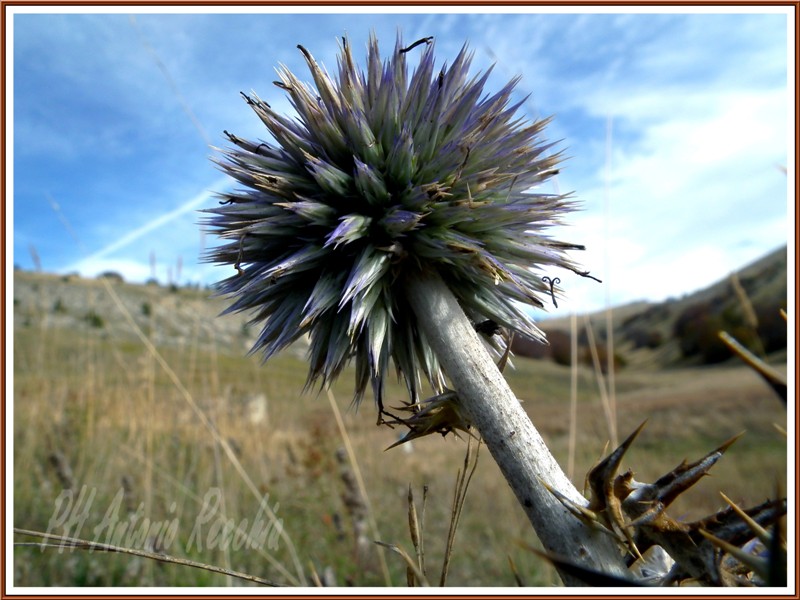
(379, 177)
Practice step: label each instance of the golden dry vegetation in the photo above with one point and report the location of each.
(162, 431)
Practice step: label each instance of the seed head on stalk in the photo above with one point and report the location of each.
(378, 178)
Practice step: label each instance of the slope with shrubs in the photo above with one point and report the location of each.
(684, 331)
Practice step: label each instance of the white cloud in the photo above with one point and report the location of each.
(691, 170)
(694, 197)
(131, 270)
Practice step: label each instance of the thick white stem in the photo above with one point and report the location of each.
(507, 431)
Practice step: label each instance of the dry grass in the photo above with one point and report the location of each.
(94, 408)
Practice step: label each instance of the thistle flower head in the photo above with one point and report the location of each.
(380, 176)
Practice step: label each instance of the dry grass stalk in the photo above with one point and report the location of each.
(749, 313)
(63, 471)
(415, 529)
(517, 577)
(417, 575)
(70, 542)
(359, 480)
(601, 383)
(355, 506)
(462, 484)
(411, 565)
(573, 395)
(327, 579)
(129, 496)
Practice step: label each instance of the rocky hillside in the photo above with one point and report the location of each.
(172, 316)
(684, 331)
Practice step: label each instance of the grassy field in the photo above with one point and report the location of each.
(159, 448)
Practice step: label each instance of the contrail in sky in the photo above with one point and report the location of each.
(192, 204)
(160, 221)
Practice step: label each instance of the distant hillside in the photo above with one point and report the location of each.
(684, 331)
(676, 332)
(169, 315)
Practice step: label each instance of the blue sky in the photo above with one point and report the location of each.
(676, 127)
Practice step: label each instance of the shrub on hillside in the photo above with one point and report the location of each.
(602, 356)
(771, 325)
(560, 347)
(697, 330)
(95, 320)
(641, 337)
(112, 276)
(528, 348)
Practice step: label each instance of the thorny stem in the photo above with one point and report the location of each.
(508, 432)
